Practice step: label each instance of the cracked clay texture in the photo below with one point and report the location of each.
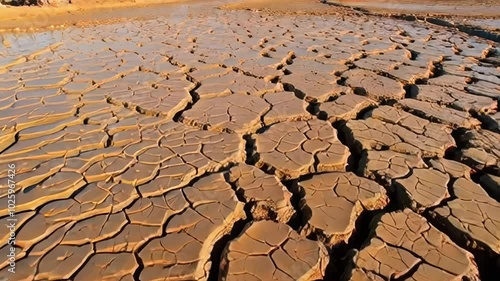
(226, 144)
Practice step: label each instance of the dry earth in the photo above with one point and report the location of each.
(211, 144)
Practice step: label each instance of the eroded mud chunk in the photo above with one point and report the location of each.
(423, 189)
(184, 252)
(405, 244)
(454, 98)
(314, 81)
(269, 198)
(109, 266)
(185, 153)
(346, 107)
(377, 87)
(167, 97)
(387, 165)
(434, 111)
(234, 113)
(285, 107)
(234, 82)
(472, 216)
(296, 148)
(450, 167)
(481, 150)
(388, 127)
(284, 255)
(333, 201)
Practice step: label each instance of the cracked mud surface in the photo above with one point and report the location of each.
(284, 255)
(404, 245)
(293, 149)
(332, 203)
(215, 144)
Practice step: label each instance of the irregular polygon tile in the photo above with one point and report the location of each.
(193, 153)
(108, 267)
(234, 113)
(285, 255)
(388, 165)
(161, 65)
(346, 107)
(138, 174)
(404, 244)
(454, 169)
(314, 87)
(60, 185)
(208, 71)
(155, 211)
(375, 64)
(481, 150)
(77, 87)
(50, 128)
(410, 73)
(8, 84)
(377, 87)
(46, 114)
(101, 198)
(375, 134)
(449, 81)
(297, 148)
(372, 134)
(422, 189)
(260, 68)
(41, 170)
(440, 113)
(62, 262)
(268, 197)
(184, 253)
(107, 168)
(95, 229)
(451, 97)
(163, 100)
(65, 212)
(85, 160)
(234, 82)
(130, 238)
(285, 107)
(76, 142)
(472, 216)
(47, 82)
(300, 65)
(333, 202)
(6, 221)
(23, 93)
(484, 88)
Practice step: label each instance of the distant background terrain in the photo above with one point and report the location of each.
(83, 12)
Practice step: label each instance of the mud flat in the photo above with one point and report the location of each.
(479, 8)
(212, 143)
